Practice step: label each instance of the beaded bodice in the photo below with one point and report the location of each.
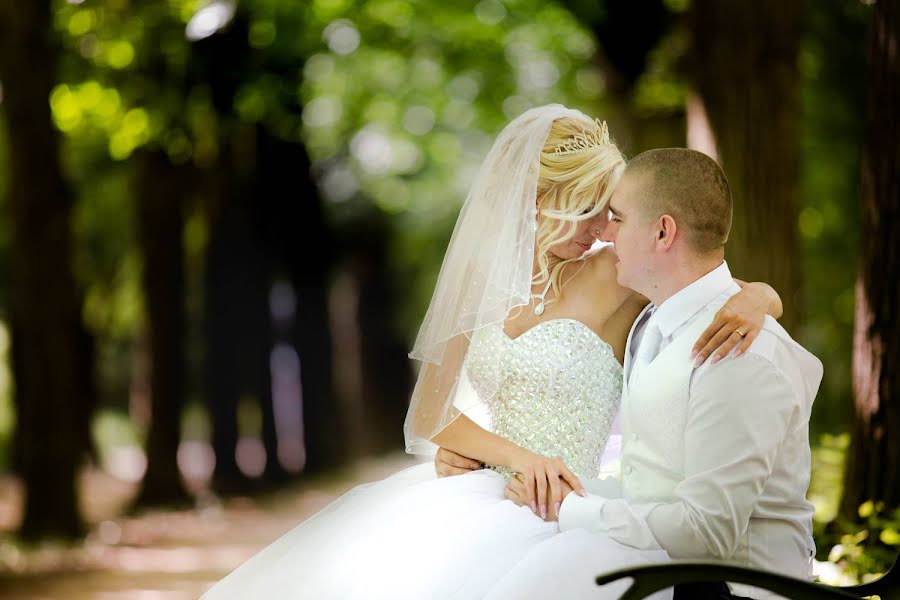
(554, 390)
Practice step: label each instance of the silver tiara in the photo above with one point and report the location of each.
(589, 138)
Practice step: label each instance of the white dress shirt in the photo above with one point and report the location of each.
(723, 473)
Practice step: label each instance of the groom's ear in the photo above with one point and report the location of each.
(665, 232)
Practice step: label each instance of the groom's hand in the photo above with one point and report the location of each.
(515, 491)
(448, 463)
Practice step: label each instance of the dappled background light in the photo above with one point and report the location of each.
(259, 195)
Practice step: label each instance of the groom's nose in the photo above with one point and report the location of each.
(609, 233)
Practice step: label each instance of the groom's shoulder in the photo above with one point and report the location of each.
(770, 337)
(777, 348)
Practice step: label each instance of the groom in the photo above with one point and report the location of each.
(715, 459)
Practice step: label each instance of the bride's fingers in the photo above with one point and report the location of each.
(450, 471)
(746, 342)
(511, 489)
(720, 337)
(464, 462)
(529, 489)
(705, 339)
(727, 346)
(572, 480)
(514, 493)
(555, 490)
(540, 476)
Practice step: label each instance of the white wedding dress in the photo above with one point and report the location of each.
(415, 536)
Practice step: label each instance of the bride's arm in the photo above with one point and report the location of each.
(465, 437)
(433, 415)
(774, 306)
(542, 475)
(744, 314)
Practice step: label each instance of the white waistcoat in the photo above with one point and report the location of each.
(653, 417)
(653, 413)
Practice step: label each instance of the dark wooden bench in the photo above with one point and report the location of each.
(649, 579)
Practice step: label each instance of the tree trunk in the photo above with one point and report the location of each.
(160, 193)
(627, 33)
(49, 366)
(238, 324)
(303, 239)
(745, 69)
(386, 372)
(873, 460)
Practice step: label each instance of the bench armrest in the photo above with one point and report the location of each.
(649, 579)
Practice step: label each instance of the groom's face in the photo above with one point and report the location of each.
(631, 236)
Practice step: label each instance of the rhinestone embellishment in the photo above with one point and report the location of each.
(554, 390)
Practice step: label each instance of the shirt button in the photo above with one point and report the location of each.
(628, 470)
(634, 437)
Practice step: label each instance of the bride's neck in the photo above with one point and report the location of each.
(552, 262)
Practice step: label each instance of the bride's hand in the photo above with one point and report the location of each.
(448, 463)
(541, 476)
(515, 491)
(736, 324)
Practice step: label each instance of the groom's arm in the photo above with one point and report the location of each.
(740, 412)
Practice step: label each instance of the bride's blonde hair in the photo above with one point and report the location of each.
(580, 167)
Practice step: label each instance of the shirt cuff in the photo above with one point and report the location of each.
(581, 512)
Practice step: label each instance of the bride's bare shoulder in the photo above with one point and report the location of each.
(603, 251)
(602, 266)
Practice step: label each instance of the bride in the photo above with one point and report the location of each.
(521, 348)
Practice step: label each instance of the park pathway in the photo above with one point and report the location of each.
(173, 555)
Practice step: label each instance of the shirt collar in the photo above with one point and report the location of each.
(674, 312)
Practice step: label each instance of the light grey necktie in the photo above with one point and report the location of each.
(648, 347)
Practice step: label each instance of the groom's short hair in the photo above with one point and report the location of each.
(690, 187)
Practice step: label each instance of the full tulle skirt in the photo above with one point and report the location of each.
(416, 536)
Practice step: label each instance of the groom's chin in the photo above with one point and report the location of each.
(624, 281)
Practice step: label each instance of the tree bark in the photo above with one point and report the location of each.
(238, 324)
(51, 367)
(304, 241)
(745, 72)
(627, 33)
(160, 191)
(873, 459)
(386, 373)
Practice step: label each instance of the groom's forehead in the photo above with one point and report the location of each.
(623, 194)
(632, 186)
(615, 202)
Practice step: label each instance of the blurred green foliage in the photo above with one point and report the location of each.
(850, 552)
(833, 59)
(400, 101)
(828, 451)
(862, 551)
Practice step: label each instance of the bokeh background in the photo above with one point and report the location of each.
(221, 222)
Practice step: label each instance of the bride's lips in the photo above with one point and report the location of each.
(584, 247)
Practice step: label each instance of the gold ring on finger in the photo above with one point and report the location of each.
(739, 332)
